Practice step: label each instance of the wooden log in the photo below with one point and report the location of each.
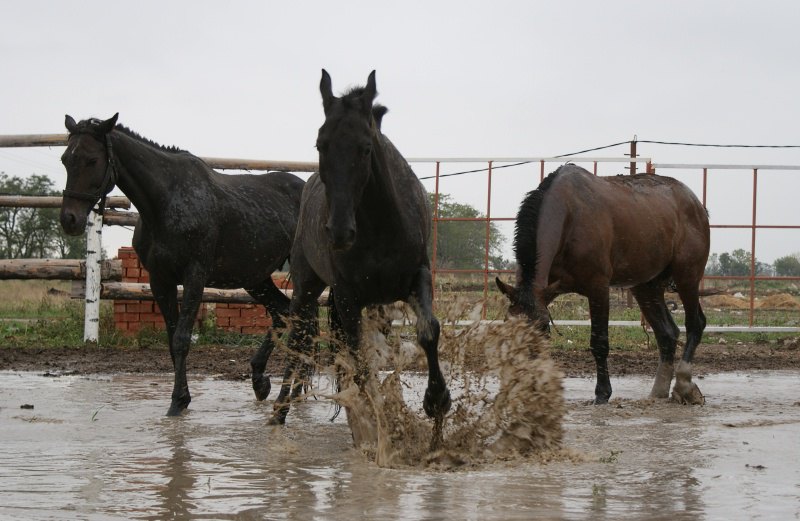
(258, 164)
(115, 218)
(54, 201)
(34, 140)
(56, 269)
(51, 140)
(141, 291)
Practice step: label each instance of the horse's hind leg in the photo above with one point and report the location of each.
(277, 305)
(598, 310)
(685, 391)
(650, 297)
(437, 397)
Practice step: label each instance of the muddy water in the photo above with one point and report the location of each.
(100, 448)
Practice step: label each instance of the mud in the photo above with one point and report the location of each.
(233, 362)
(99, 447)
(84, 437)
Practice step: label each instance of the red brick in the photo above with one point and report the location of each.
(225, 313)
(252, 330)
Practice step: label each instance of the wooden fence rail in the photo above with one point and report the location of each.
(56, 269)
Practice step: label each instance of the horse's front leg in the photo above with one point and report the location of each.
(179, 348)
(346, 328)
(303, 326)
(437, 397)
(598, 308)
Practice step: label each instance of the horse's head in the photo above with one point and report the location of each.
(525, 303)
(90, 170)
(345, 143)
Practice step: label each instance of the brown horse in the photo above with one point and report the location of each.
(579, 233)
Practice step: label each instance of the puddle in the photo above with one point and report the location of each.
(100, 448)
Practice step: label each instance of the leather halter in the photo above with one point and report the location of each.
(109, 181)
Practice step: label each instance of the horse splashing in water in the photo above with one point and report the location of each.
(579, 233)
(363, 231)
(196, 228)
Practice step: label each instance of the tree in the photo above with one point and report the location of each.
(462, 244)
(788, 266)
(34, 232)
(735, 264)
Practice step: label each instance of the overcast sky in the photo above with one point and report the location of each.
(460, 78)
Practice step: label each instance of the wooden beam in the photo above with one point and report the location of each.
(141, 291)
(115, 218)
(56, 269)
(54, 201)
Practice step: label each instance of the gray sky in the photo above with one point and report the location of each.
(460, 78)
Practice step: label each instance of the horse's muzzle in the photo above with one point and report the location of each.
(71, 223)
(342, 238)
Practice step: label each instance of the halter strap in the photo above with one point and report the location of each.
(109, 181)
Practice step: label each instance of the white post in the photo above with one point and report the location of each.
(94, 249)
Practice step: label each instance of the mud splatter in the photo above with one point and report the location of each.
(508, 405)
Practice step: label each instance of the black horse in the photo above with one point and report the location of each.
(579, 233)
(196, 227)
(363, 231)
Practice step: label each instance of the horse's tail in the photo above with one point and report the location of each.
(704, 292)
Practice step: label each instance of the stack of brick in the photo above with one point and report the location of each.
(133, 315)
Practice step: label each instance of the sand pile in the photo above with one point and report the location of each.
(779, 301)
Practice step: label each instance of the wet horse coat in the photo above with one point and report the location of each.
(363, 230)
(580, 233)
(196, 228)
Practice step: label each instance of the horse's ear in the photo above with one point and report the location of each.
(108, 125)
(326, 90)
(506, 289)
(70, 123)
(369, 93)
(378, 111)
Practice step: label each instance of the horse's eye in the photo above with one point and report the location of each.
(366, 150)
(91, 161)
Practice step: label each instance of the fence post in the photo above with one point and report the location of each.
(94, 251)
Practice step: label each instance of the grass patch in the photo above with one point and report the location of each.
(39, 313)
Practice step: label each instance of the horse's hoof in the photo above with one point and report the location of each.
(436, 405)
(690, 396)
(261, 387)
(177, 408)
(277, 419)
(600, 400)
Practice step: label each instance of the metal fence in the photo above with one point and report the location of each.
(496, 187)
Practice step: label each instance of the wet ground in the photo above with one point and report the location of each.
(99, 447)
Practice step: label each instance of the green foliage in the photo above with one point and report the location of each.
(462, 244)
(735, 264)
(34, 232)
(788, 266)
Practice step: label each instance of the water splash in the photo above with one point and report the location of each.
(507, 395)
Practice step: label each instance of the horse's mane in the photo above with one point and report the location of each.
(130, 133)
(525, 230)
(90, 126)
(351, 99)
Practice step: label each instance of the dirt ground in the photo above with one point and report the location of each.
(233, 363)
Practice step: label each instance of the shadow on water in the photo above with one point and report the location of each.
(99, 448)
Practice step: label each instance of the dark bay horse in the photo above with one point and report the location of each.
(579, 233)
(363, 231)
(196, 227)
